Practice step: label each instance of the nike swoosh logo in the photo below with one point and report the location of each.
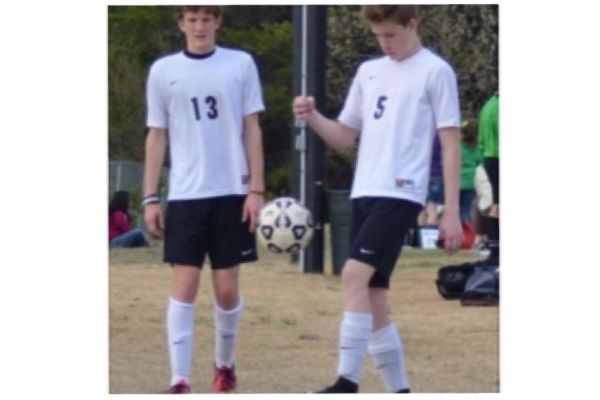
(365, 251)
(246, 252)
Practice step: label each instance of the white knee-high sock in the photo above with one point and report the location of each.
(180, 335)
(226, 327)
(355, 330)
(385, 347)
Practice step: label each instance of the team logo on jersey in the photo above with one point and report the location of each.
(245, 179)
(405, 183)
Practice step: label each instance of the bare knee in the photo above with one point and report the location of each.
(353, 278)
(226, 295)
(355, 286)
(225, 286)
(185, 283)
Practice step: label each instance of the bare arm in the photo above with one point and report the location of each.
(451, 159)
(337, 135)
(156, 144)
(254, 153)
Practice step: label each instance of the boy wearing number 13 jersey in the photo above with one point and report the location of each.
(205, 102)
(202, 100)
(395, 106)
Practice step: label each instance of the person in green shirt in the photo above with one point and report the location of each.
(490, 151)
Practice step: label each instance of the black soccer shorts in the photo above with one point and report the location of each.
(379, 229)
(214, 226)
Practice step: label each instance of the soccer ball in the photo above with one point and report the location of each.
(285, 225)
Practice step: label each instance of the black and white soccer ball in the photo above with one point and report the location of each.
(285, 225)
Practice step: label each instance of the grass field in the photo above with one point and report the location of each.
(289, 328)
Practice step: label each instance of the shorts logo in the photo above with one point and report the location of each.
(405, 183)
(246, 252)
(366, 251)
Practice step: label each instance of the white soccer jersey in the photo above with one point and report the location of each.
(398, 106)
(202, 101)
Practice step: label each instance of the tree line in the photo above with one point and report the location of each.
(465, 35)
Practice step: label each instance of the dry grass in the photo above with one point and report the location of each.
(289, 328)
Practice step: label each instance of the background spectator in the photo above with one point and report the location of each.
(120, 232)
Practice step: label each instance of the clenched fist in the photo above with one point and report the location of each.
(303, 106)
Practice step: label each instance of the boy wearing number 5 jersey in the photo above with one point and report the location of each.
(396, 104)
(204, 101)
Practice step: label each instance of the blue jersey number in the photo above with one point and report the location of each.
(211, 102)
(380, 107)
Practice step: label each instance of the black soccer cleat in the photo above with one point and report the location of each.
(342, 385)
(405, 390)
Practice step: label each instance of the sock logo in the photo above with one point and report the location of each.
(227, 335)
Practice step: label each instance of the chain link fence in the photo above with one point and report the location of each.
(125, 175)
(129, 175)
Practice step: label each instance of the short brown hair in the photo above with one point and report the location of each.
(401, 14)
(215, 11)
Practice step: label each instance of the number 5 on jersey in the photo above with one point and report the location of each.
(211, 102)
(380, 107)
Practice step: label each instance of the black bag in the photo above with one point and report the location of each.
(483, 286)
(451, 280)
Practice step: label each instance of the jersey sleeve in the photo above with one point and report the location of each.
(443, 95)
(252, 101)
(156, 104)
(351, 114)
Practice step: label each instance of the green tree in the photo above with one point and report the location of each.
(466, 35)
(138, 35)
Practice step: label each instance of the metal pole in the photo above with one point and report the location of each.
(300, 123)
(308, 149)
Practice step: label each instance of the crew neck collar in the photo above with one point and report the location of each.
(410, 56)
(197, 56)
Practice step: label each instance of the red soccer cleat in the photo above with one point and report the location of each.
(180, 387)
(224, 380)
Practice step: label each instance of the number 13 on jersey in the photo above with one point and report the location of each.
(211, 103)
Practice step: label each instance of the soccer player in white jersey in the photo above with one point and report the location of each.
(204, 101)
(396, 103)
